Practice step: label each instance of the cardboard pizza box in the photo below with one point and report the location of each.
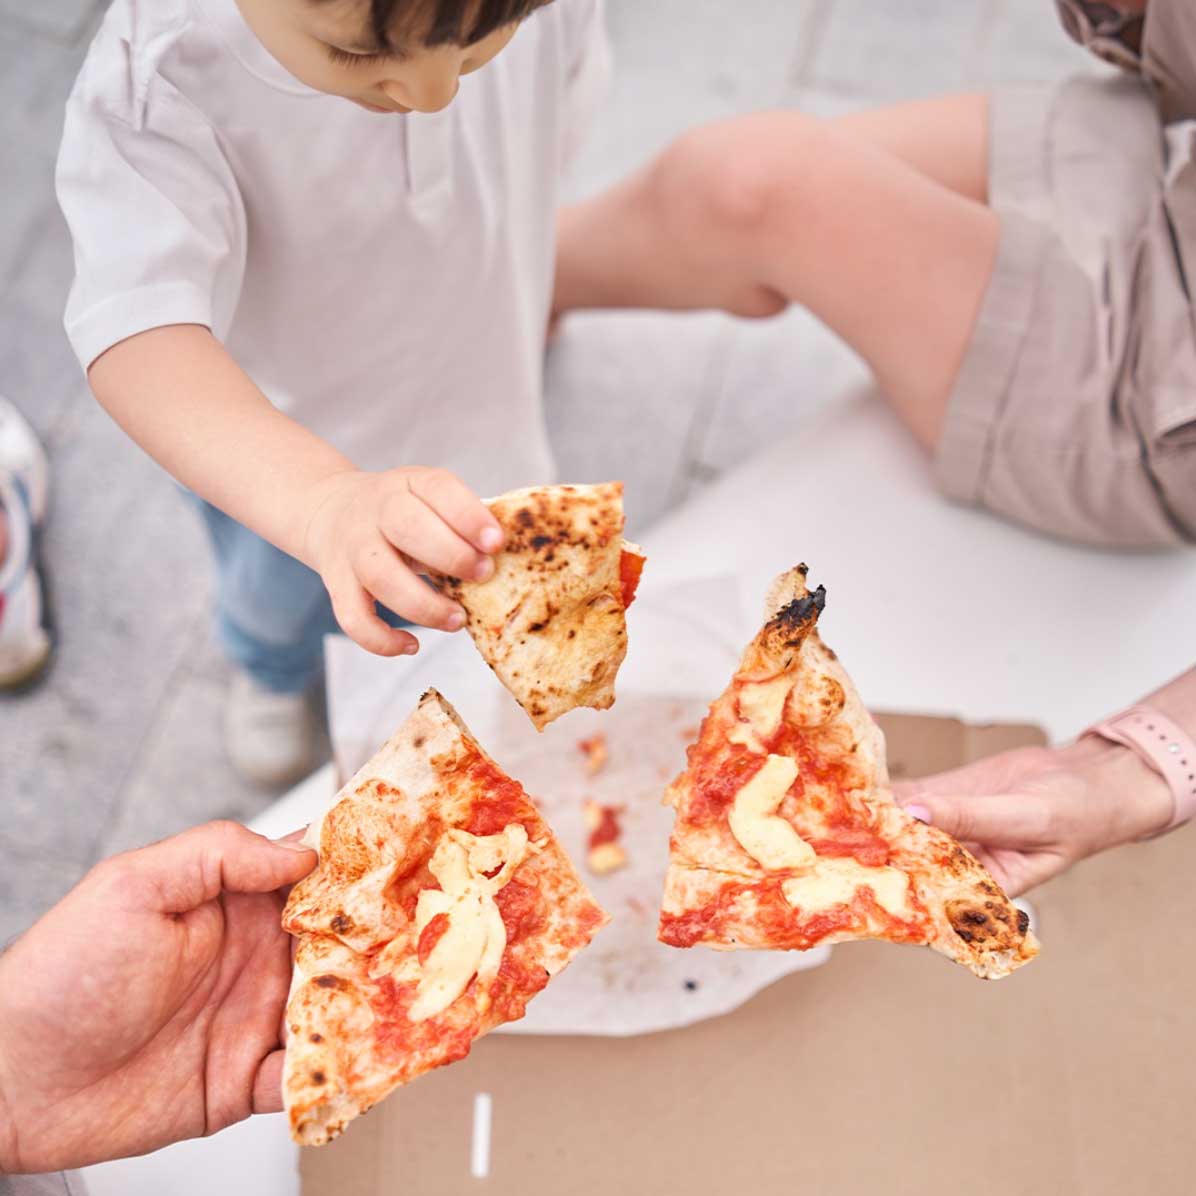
(889, 1070)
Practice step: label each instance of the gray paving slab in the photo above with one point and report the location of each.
(775, 375)
(679, 63)
(628, 394)
(128, 565)
(182, 777)
(29, 885)
(1025, 43)
(894, 51)
(62, 21)
(35, 77)
(38, 371)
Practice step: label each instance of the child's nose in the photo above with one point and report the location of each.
(429, 91)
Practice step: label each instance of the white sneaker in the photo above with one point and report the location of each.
(270, 737)
(25, 639)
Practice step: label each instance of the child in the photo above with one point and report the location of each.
(310, 278)
(1014, 268)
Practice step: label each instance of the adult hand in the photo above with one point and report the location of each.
(371, 533)
(147, 1005)
(1030, 814)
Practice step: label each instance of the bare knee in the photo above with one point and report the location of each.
(730, 173)
(720, 190)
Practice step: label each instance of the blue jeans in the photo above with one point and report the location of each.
(272, 612)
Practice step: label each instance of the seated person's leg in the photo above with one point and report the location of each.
(890, 247)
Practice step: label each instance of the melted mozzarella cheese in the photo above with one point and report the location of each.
(762, 703)
(476, 937)
(835, 881)
(761, 832)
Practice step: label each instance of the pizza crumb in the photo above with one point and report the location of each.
(604, 853)
(596, 753)
(689, 734)
(691, 986)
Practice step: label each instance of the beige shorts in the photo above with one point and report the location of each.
(1075, 408)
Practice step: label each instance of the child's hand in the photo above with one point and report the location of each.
(370, 534)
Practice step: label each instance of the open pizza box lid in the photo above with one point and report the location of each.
(888, 1070)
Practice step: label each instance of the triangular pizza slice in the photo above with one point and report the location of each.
(786, 833)
(550, 620)
(441, 905)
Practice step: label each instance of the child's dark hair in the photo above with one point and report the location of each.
(445, 22)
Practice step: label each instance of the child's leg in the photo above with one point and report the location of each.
(272, 612)
(873, 222)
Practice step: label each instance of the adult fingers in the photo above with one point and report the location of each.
(994, 820)
(360, 621)
(458, 506)
(186, 870)
(420, 532)
(267, 1084)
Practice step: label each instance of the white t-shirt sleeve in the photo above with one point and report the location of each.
(155, 214)
(588, 79)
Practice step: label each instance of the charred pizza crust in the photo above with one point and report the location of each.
(550, 620)
(787, 835)
(441, 905)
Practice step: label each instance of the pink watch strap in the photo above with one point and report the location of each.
(1167, 748)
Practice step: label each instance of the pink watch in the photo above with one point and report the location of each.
(1165, 747)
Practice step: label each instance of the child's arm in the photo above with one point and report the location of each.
(181, 396)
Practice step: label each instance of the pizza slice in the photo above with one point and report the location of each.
(441, 905)
(550, 620)
(786, 833)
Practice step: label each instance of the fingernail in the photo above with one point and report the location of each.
(411, 648)
(921, 813)
(490, 539)
(484, 569)
(455, 621)
(291, 845)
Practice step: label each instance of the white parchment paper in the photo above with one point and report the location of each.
(685, 643)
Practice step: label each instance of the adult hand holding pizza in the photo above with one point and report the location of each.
(1030, 814)
(146, 1007)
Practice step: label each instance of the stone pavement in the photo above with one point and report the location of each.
(121, 745)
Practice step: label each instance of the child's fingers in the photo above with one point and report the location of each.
(383, 574)
(420, 533)
(354, 610)
(459, 507)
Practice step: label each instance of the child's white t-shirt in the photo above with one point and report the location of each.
(384, 279)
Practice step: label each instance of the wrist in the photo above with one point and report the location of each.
(1136, 798)
(323, 501)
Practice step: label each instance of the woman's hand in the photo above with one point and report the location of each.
(1028, 815)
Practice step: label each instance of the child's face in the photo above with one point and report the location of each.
(328, 46)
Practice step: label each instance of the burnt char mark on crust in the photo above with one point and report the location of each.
(794, 621)
(991, 926)
(1023, 921)
(328, 981)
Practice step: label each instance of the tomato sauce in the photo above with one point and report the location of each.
(630, 569)
(717, 783)
(519, 905)
(607, 831)
(430, 936)
(504, 802)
